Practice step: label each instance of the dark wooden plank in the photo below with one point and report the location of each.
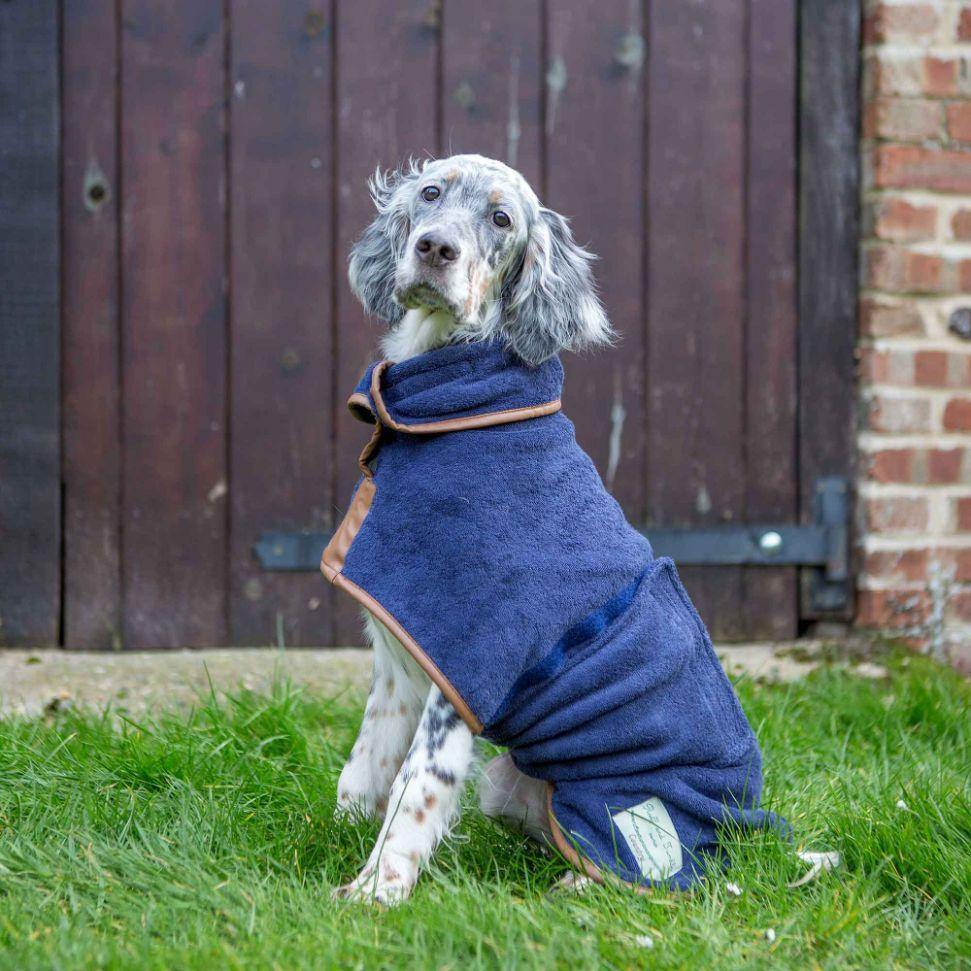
(174, 323)
(492, 82)
(90, 378)
(771, 594)
(29, 325)
(281, 333)
(386, 97)
(828, 236)
(696, 178)
(595, 162)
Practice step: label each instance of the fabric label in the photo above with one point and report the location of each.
(652, 838)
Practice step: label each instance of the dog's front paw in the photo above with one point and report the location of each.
(385, 886)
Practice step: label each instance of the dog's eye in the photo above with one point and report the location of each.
(430, 193)
(501, 219)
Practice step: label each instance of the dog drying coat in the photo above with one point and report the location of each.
(482, 537)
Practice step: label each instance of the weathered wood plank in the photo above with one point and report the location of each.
(696, 281)
(30, 494)
(594, 121)
(829, 220)
(90, 383)
(386, 97)
(281, 328)
(492, 82)
(174, 323)
(770, 595)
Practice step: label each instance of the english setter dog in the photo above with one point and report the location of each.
(460, 250)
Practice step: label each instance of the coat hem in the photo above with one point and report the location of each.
(577, 859)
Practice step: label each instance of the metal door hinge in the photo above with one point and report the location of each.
(821, 548)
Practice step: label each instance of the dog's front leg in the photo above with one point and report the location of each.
(424, 802)
(398, 691)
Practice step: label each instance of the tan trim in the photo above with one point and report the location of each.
(332, 565)
(576, 859)
(367, 453)
(411, 645)
(486, 420)
(334, 556)
(332, 562)
(360, 401)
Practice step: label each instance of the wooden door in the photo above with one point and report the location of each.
(213, 163)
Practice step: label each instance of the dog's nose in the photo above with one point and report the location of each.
(432, 250)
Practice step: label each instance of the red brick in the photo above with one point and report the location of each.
(964, 276)
(959, 606)
(903, 271)
(944, 465)
(899, 415)
(906, 22)
(892, 609)
(959, 121)
(907, 566)
(964, 25)
(892, 465)
(874, 366)
(957, 415)
(961, 224)
(962, 566)
(891, 75)
(930, 369)
(914, 167)
(895, 514)
(893, 367)
(884, 75)
(962, 515)
(898, 220)
(889, 319)
(904, 119)
(940, 76)
(904, 368)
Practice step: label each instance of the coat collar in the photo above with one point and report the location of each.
(457, 387)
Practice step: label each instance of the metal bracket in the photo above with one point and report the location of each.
(823, 546)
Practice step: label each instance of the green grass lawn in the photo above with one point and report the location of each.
(206, 841)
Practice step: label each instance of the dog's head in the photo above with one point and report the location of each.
(468, 236)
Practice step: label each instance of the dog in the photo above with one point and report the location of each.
(461, 250)
(470, 270)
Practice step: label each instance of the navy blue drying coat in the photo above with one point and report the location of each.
(482, 536)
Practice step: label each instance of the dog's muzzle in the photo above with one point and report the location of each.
(435, 250)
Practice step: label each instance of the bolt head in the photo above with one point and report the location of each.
(770, 542)
(959, 323)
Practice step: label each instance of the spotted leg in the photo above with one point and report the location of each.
(423, 804)
(398, 691)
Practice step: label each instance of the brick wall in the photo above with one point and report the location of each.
(915, 368)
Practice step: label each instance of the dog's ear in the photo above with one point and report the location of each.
(374, 257)
(550, 304)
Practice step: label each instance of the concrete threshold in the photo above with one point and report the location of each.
(33, 682)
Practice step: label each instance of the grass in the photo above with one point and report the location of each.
(205, 840)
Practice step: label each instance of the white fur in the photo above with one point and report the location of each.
(419, 331)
